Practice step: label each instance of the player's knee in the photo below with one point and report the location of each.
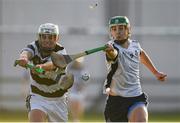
(141, 119)
(37, 116)
(139, 114)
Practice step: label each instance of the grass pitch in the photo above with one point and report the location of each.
(6, 116)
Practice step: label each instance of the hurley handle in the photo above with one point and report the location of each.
(95, 50)
(31, 66)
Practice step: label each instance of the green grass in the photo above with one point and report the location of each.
(164, 117)
(90, 117)
(6, 116)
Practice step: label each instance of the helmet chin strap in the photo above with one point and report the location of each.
(46, 51)
(120, 42)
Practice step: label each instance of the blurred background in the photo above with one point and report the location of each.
(83, 25)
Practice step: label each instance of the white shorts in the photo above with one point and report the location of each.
(55, 108)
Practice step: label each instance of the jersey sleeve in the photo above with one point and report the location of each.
(139, 46)
(62, 51)
(30, 48)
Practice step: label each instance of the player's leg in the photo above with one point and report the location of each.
(35, 112)
(76, 110)
(37, 115)
(138, 113)
(76, 105)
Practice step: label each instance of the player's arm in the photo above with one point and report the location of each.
(111, 53)
(48, 66)
(145, 59)
(24, 58)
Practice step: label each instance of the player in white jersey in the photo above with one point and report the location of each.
(126, 102)
(47, 100)
(76, 92)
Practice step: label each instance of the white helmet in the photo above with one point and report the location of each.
(48, 28)
(51, 30)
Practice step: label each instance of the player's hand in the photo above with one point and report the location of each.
(161, 76)
(109, 48)
(22, 62)
(36, 67)
(108, 90)
(111, 52)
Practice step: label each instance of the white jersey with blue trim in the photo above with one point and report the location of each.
(44, 86)
(123, 73)
(78, 73)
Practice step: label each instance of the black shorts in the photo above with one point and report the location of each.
(117, 107)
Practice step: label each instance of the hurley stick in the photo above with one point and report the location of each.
(61, 60)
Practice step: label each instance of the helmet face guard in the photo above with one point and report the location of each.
(47, 42)
(48, 35)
